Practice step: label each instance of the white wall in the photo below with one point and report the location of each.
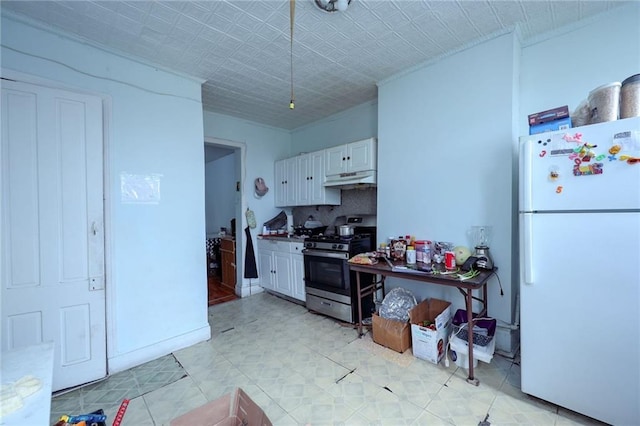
(156, 270)
(357, 123)
(262, 146)
(220, 190)
(564, 67)
(448, 133)
(445, 158)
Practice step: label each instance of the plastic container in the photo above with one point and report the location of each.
(630, 97)
(411, 255)
(604, 102)
(419, 245)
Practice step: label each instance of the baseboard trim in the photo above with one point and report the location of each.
(149, 353)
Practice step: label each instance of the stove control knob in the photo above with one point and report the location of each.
(339, 246)
(335, 246)
(309, 245)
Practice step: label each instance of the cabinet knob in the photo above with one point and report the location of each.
(310, 177)
(348, 158)
(343, 158)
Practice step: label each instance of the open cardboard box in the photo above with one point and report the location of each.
(232, 409)
(392, 334)
(429, 342)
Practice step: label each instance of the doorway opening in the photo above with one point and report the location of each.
(223, 211)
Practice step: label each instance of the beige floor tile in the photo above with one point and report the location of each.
(174, 400)
(199, 357)
(306, 369)
(428, 418)
(135, 414)
(292, 390)
(329, 411)
(568, 418)
(355, 391)
(389, 409)
(522, 409)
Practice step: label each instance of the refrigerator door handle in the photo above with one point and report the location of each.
(526, 157)
(527, 248)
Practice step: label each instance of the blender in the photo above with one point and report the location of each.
(480, 236)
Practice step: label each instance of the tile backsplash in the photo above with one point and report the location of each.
(354, 202)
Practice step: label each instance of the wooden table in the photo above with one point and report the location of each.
(466, 287)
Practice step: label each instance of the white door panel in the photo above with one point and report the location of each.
(52, 228)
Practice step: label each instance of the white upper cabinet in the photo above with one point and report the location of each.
(352, 157)
(299, 182)
(286, 178)
(311, 174)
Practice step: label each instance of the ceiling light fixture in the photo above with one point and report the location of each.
(292, 14)
(333, 5)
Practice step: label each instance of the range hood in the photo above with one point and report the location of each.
(352, 180)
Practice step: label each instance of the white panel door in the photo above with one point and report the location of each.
(52, 228)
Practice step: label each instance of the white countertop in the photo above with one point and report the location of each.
(291, 239)
(37, 361)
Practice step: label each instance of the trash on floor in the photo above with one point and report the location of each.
(94, 418)
(233, 408)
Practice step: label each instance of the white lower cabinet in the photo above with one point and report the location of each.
(297, 265)
(281, 267)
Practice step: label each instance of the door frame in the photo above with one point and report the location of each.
(22, 77)
(240, 150)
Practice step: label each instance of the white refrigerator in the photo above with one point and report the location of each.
(579, 225)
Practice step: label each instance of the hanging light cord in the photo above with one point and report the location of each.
(292, 10)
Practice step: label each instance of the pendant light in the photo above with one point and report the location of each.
(292, 12)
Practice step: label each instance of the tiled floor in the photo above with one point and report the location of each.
(306, 369)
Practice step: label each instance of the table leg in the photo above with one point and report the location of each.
(469, 298)
(359, 297)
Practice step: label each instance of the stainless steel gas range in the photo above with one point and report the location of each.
(330, 285)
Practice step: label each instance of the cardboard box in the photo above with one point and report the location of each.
(551, 126)
(232, 409)
(549, 115)
(429, 343)
(392, 334)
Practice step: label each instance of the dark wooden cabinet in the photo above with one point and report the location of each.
(228, 262)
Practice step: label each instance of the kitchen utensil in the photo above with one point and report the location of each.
(481, 236)
(345, 230)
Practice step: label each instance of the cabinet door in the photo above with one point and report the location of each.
(320, 194)
(336, 160)
(291, 183)
(282, 261)
(304, 175)
(265, 264)
(361, 155)
(280, 187)
(286, 187)
(297, 279)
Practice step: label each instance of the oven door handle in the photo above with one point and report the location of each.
(322, 253)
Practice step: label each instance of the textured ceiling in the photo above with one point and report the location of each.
(242, 48)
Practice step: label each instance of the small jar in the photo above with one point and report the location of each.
(411, 255)
(630, 97)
